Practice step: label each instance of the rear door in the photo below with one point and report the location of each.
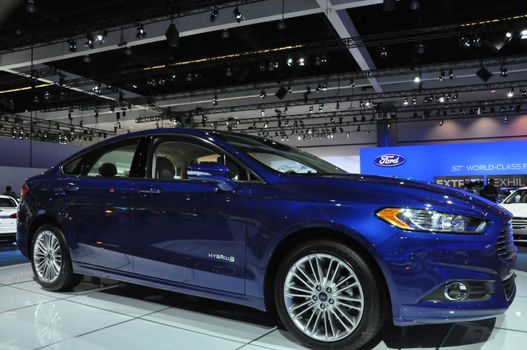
(100, 203)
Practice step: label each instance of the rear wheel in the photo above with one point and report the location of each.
(328, 297)
(51, 260)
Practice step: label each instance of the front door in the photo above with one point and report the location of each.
(191, 232)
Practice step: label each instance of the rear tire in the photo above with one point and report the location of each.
(328, 297)
(51, 261)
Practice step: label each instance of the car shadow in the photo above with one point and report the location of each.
(423, 336)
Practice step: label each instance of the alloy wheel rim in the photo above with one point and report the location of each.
(47, 257)
(323, 297)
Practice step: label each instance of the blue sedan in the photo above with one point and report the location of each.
(253, 222)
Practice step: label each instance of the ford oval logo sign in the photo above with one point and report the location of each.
(389, 160)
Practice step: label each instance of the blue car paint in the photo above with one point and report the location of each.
(249, 224)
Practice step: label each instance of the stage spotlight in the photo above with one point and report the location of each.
(215, 100)
(523, 34)
(281, 93)
(225, 34)
(383, 52)
(415, 5)
(484, 74)
(301, 61)
(281, 24)
(504, 72)
(510, 93)
(214, 14)
(417, 79)
(72, 45)
(496, 41)
(451, 74)
(101, 37)
(30, 6)
(140, 34)
(172, 35)
(237, 14)
(263, 94)
(90, 42)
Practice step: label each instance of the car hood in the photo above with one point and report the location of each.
(517, 209)
(394, 191)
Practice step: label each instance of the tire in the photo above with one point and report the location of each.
(322, 298)
(48, 246)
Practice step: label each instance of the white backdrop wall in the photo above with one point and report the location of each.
(346, 157)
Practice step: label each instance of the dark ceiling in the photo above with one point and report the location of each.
(126, 71)
(320, 45)
(437, 16)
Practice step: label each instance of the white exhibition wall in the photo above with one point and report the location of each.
(346, 157)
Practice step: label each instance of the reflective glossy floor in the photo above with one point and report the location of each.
(110, 315)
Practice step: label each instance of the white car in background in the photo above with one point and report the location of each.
(8, 208)
(516, 203)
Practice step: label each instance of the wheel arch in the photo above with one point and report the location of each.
(43, 219)
(313, 233)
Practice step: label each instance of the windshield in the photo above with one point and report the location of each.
(280, 157)
(519, 196)
(7, 203)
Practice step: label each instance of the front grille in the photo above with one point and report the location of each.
(509, 286)
(505, 244)
(519, 223)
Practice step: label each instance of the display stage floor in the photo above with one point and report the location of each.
(110, 315)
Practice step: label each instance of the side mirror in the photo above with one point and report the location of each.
(212, 171)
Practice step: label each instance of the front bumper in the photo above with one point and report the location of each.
(519, 228)
(420, 269)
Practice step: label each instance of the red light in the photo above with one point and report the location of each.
(13, 216)
(24, 190)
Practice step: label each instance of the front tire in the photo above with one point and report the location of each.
(51, 260)
(328, 296)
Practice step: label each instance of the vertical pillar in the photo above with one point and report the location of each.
(386, 133)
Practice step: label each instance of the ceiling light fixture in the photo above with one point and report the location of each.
(72, 45)
(214, 14)
(90, 42)
(140, 32)
(172, 35)
(237, 14)
(415, 5)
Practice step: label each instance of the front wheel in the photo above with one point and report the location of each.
(51, 260)
(328, 297)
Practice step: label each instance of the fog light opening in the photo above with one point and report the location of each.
(456, 291)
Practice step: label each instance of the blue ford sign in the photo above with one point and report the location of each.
(389, 160)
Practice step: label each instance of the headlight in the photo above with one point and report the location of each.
(429, 220)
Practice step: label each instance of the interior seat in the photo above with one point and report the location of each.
(165, 169)
(107, 170)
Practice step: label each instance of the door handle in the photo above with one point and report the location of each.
(151, 190)
(71, 187)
